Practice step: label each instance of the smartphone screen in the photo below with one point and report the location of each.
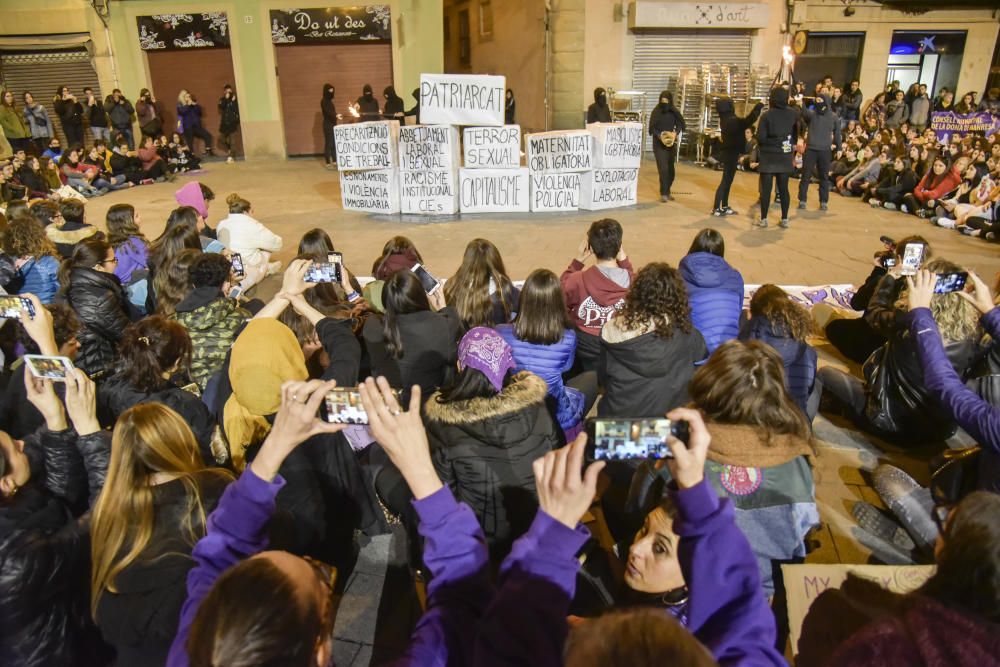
(343, 406)
(321, 273)
(428, 281)
(10, 307)
(617, 439)
(337, 260)
(913, 258)
(238, 265)
(235, 292)
(950, 282)
(49, 368)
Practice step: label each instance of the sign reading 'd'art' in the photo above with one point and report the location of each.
(608, 188)
(428, 147)
(652, 14)
(561, 150)
(493, 190)
(555, 192)
(369, 145)
(428, 192)
(617, 144)
(492, 147)
(375, 191)
(462, 99)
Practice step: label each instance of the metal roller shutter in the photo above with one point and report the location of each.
(658, 57)
(41, 73)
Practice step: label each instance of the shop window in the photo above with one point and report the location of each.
(933, 58)
(485, 18)
(837, 54)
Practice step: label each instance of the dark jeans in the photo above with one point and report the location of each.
(665, 164)
(765, 193)
(588, 351)
(197, 131)
(329, 146)
(74, 136)
(729, 162)
(158, 170)
(41, 144)
(127, 133)
(847, 389)
(810, 161)
(854, 338)
(912, 204)
(226, 141)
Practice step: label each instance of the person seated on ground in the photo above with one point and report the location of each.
(95, 159)
(95, 293)
(889, 192)
(415, 339)
(316, 244)
(714, 288)
(173, 281)
(786, 326)
(893, 401)
(123, 161)
(131, 250)
(73, 228)
(162, 252)
(544, 342)
(938, 182)
(594, 294)
(254, 242)
(480, 291)
(850, 184)
(150, 161)
(398, 253)
(649, 348)
(886, 175)
(181, 154)
(154, 355)
(187, 216)
(210, 317)
(486, 428)
(749, 155)
(36, 258)
(81, 177)
(46, 483)
(844, 165)
(974, 196)
(150, 514)
(32, 177)
(854, 337)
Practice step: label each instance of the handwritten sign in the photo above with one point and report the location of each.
(331, 25)
(424, 147)
(555, 192)
(561, 150)
(462, 99)
(700, 15)
(492, 147)
(428, 192)
(804, 583)
(369, 145)
(617, 145)
(947, 123)
(608, 188)
(493, 190)
(374, 191)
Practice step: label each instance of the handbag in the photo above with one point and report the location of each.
(955, 474)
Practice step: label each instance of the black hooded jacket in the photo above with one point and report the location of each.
(824, 126)
(327, 106)
(665, 117)
(368, 105)
(393, 103)
(103, 309)
(777, 134)
(415, 111)
(599, 111)
(733, 127)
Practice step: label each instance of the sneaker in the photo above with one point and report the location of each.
(160, 179)
(146, 181)
(877, 523)
(728, 211)
(802, 206)
(664, 198)
(889, 206)
(784, 223)
(969, 231)
(718, 213)
(823, 206)
(904, 208)
(230, 160)
(273, 268)
(874, 203)
(670, 197)
(947, 223)
(760, 223)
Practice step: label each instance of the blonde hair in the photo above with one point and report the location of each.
(149, 438)
(180, 96)
(237, 204)
(956, 318)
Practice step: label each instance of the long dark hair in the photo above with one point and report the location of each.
(315, 244)
(710, 241)
(150, 347)
(397, 245)
(470, 384)
(182, 216)
(86, 254)
(541, 317)
(658, 294)
(468, 291)
(170, 244)
(120, 221)
(402, 293)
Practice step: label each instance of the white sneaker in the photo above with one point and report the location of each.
(273, 268)
(947, 223)
(230, 160)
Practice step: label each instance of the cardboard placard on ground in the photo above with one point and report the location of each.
(608, 188)
(493, 190)
(428, 148)
(555, 192)
(559, 151)
(370, 145)
(462, 99)
(492, 147)
(429, 192)
(617, 145)
(804, 583)
(373, 191)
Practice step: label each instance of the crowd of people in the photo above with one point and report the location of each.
(182, 492)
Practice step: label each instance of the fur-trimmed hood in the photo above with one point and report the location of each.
(525, 390)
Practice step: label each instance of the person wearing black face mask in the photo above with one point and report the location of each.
(733, 143)
(367, 105)
(393, 105)
(329, 122)
(824, 132)
(777, 136)
(509, 108)
(599, 111)
(415, 111)
(665, 125)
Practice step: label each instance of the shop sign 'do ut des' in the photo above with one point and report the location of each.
(331, 25)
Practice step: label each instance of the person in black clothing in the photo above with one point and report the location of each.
(367, 105)
(70, 112)
(96, 115)
(329, 122)
(733, 144)
(824, 133)
(665, 118)
(599, 111)
(415, 111)
(509, 108)
(777, 135)
(393, 104)
(120, 112)
(229, 119)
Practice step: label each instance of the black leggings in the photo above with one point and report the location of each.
(729, 162)
(329, 146)
(913, 204)
(765, 194)
(197, 131)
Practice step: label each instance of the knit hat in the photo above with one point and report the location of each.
(486, 351)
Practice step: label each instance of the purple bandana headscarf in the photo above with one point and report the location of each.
(486, 351)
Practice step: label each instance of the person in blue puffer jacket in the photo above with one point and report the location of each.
(715, 289)
(544, 342)
(35, 258)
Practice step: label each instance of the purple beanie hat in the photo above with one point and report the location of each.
(486, 351)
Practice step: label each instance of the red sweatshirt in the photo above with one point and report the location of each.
(591, 297)
(924, 192)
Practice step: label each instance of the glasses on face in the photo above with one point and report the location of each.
(113, 260)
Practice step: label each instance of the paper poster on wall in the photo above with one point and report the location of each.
(608, 188)
(370, 145)
(428, 192)
(493, 190)
(428, 147)
(560, 150)
(804, 583)
(617, 145)
(462, 99)
(492, 147)
(374, 191)
(555, 192)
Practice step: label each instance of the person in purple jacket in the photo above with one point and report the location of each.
(715, 289)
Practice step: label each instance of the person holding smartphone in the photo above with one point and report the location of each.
(70, 112)
(241, 233)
